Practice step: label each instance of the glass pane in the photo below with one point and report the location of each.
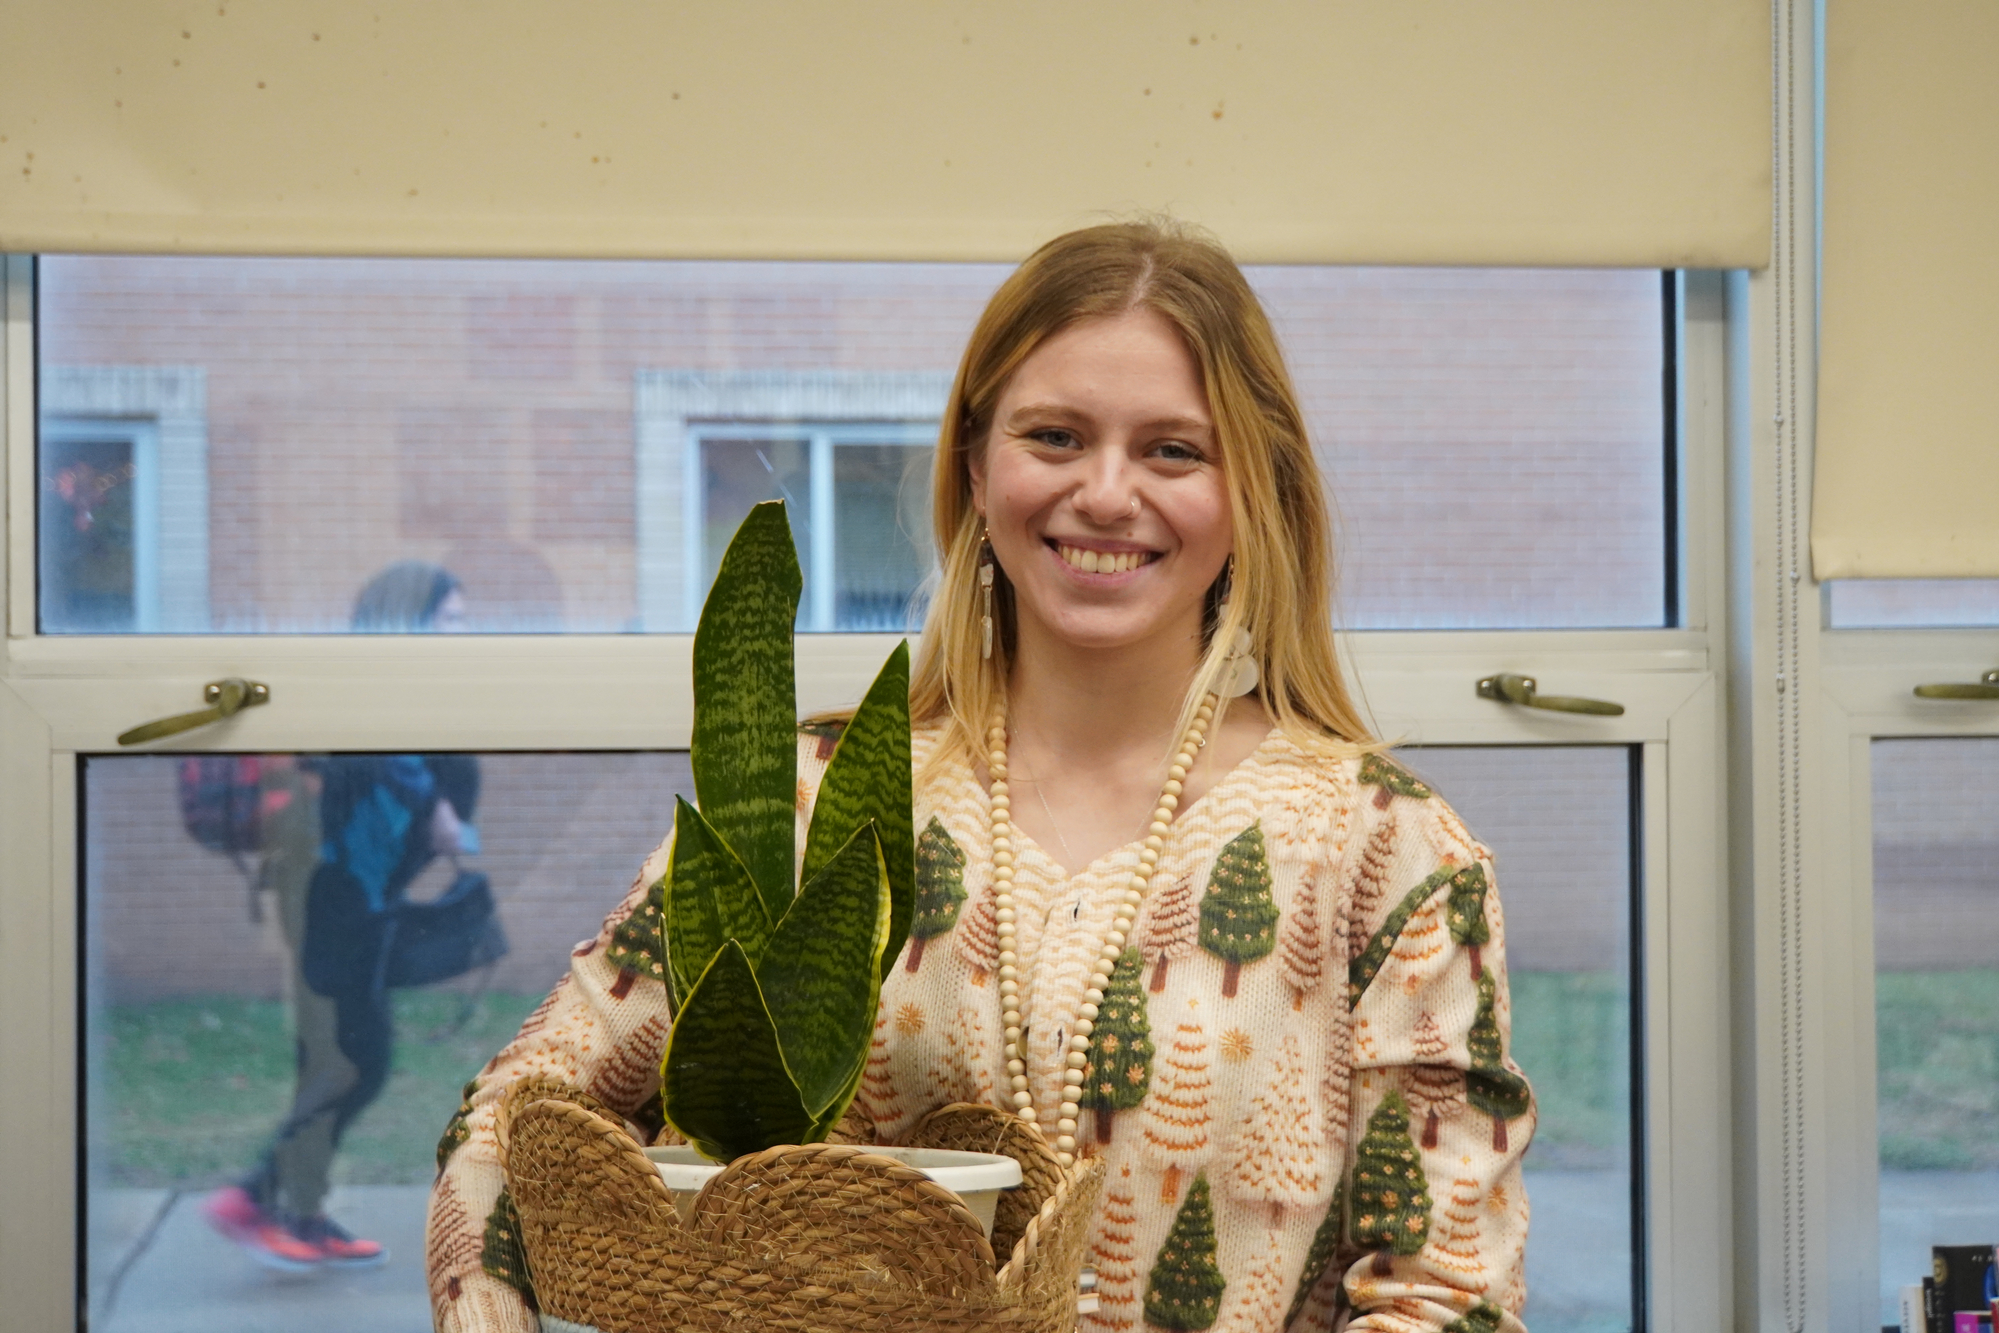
(884, 545)
(1558, 820)
(1495, 440)
(739, 474)
(1911, 603)
(202, 1038)
(314, 421)
(90, 580)
(1936, 1011)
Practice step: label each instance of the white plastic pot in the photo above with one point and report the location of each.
(975, 1177)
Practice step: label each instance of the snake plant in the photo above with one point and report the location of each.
(775, 963)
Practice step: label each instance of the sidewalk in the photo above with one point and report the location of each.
(162, 1270)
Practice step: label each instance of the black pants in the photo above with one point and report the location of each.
(337, 1080)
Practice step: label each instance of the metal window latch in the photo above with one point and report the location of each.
(225, 698)
(1511, 689)
(1985, 687)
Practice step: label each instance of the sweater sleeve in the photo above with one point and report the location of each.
(1434, 1083)
(602, 1029)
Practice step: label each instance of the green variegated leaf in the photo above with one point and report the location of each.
(821, 974)
(830, 1117)
(724, 1079)
(744, 752)
(869, 778)
(709, 899)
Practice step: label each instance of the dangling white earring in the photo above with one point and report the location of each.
(1239, 674)
(986, 595)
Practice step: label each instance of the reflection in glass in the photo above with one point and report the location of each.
(198, 1031)
(93, 558)
(317, 419)
(1936, 1000)
(1911, 603)
(858, 499)
(1558, 821)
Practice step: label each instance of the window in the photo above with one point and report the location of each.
(1530, 455)
(1911, 897)
(1911, 603)
(124, 513)
(1500, 443)
(848, 452)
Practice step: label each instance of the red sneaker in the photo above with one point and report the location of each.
(337, 1247)
(233, 1212)
(240, 1219)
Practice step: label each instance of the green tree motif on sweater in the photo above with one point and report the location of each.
(940, 888)
(1464, 913)
(1325, 1247)
(1119, 1070)
(1391, 1193)
(1184, 1289)
(1390, 780)
(1490, 1086)
(637, 948)
(458, 1128)
(503, 1255)
(1238, 915)
(1484, 1317)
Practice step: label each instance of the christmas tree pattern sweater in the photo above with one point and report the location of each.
(1299, 1078)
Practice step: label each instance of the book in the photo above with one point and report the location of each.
(1914, 1318)
(1960, 1272)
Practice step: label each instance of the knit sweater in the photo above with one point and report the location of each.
(1299, 1078)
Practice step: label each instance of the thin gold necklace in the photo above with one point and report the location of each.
(1041, 795)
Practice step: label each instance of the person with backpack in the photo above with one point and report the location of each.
(340, 838)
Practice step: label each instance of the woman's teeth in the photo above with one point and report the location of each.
(1102, 562)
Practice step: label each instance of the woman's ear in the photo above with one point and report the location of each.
(975, 466)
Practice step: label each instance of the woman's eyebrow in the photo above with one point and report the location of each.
(1058, 412)
(1044, 412)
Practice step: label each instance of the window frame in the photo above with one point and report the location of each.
(65, 696)
(1867, 681)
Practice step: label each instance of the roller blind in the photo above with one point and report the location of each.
(1907, 471)
(1418, 131)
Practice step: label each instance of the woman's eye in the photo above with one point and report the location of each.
(1173, 451)
(1055, 438)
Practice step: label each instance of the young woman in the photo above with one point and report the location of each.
(1174, 906)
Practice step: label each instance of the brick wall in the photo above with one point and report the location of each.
(1493, 438)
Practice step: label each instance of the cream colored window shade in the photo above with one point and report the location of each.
(1907, 472)
(1408, 131)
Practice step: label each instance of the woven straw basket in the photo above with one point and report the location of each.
(821, 1238)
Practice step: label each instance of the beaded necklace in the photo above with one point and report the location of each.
(1078, 1053)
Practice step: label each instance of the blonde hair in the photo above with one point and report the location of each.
(1282, 563)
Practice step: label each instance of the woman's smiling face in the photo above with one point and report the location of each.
(1103, 412)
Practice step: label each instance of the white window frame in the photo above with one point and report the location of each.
(62, 698)
(1867, 680)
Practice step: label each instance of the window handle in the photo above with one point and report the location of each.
(1511, 689)
(225, 698)
(1986, 687)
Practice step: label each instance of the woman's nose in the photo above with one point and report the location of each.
(1106, 495)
